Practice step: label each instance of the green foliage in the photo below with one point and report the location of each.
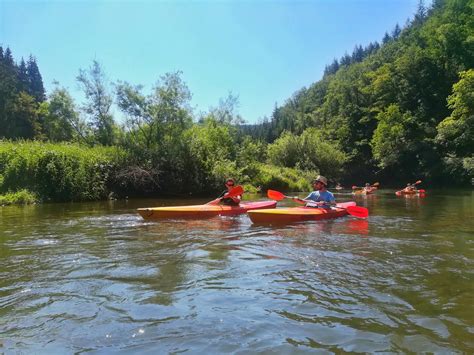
(21, 91)
(384, 108)
(22, 197)
(60, 172)
(390, 141)
(456, 132)
(281, 178)
(309, 151)
(251, 151)
(61, 120)
(285, 150)
(98, 102)
(210, 154)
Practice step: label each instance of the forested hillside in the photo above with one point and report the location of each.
(400, 110)
(397, 111)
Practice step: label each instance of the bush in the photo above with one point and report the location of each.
(23, 197)
(59, 172)
(279, 178)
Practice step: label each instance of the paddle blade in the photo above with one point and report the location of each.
(354, 187)
(236, 191)
(376, 184)
(417, 182)
(421, 191)
(358, 211)
(275, 195)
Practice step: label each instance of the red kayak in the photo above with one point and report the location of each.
(202, 211)
(297, 214)
(420, 193)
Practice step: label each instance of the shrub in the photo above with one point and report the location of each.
(59, 172)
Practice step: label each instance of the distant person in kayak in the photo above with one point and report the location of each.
(320, 197)
(410, 188)
(339, 187)
(230, 201)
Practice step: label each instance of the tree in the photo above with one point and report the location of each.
(390, 142)
(357, 54)
(35, 81)
(456, 132)
(62, 121)
(98, 102)
(421, 13)
(386, 38)
(225, 112)
(396, 31)
(23, 80)
(25, 118)
(151, 117)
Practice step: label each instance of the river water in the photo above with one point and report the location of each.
(96, 277)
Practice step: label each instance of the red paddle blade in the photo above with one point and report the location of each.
(358, 211)
(421, 191)
(236, 191)
(275, 195)
(354, 187)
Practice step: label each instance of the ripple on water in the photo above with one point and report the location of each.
(109, 281)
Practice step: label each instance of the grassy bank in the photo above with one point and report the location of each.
(32, 171)
(57, 172)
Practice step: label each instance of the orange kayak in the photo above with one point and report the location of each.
(202, 211)
(411, 193)
(297, 214)
(364, 192)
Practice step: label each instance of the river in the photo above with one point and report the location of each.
(96, 277)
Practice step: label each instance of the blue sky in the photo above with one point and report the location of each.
(261, 51)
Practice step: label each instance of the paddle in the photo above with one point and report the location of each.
(235, 191)
(355, 211)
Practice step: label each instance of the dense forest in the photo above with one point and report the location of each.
(397, 111)
(402, 109)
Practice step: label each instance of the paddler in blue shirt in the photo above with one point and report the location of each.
(320, 197)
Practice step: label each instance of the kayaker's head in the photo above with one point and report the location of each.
(229, 183)
(367, 184)
(320, 183)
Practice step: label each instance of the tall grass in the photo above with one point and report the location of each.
(59, 172)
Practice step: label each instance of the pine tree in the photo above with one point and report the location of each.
(396, 31)
(8, 91)
(346, 59)
(36, 88)
(8, 58)
(357, 54)
(23, 82)
(386, 38)
(421, 13)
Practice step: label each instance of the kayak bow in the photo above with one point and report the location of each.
(297, 214)
(202, 211)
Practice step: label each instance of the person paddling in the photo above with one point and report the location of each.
(231, 200)
(320, 197)
(410, 188)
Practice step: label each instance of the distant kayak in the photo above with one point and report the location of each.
(364, 192)
(202, 211)
(297, 214)
(420, 193)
